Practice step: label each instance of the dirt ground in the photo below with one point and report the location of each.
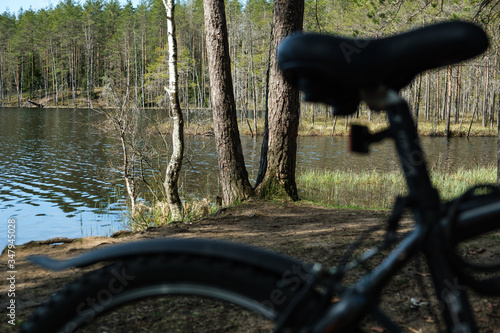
(301, 230)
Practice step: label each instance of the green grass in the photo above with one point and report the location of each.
(158, 213)
(377, 190)
(455, 183)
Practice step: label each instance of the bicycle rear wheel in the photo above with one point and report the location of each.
(258, 288)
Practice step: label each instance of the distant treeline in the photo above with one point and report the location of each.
(75, 54)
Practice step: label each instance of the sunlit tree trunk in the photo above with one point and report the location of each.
(72, 78)
(88, 44)
(447, 103)
(232, 170)
(175, 163)
(56, 84)
(284, 109)
(486, 105)
(128, 170)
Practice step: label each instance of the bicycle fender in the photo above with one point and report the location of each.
(174, 246)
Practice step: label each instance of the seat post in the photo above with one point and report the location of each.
(411, 156)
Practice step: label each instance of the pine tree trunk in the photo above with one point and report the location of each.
(232, 170)
(254, 88)
(88, 47)
(284, 109)
(486, 91)
(457, 96)
(417, 100)
(447, 103)
(427, 96)
(56, 84)
(175, 163)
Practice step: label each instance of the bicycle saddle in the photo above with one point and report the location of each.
(336, 70)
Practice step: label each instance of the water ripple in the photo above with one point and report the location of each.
(48, 175)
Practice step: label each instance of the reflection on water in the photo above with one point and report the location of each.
(57, 176)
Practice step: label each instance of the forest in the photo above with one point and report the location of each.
(67, 55)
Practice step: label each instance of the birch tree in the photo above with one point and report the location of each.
(175, 164)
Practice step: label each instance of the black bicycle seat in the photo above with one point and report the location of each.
(334, 70)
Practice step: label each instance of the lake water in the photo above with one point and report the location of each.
(59, 176)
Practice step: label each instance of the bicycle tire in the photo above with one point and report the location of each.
(257, 288)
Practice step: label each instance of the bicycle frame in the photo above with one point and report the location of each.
(427, 237)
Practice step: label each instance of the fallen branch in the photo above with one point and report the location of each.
(38, 105)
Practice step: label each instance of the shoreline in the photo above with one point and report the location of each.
(323, 126)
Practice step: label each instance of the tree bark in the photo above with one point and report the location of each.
(265, 140)
(447, 103)
(486, 91)
(128, 170)
(427, 95)
(55, 75)
(175, 163)
(418, 95)
(284, 109)
(233, 174)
